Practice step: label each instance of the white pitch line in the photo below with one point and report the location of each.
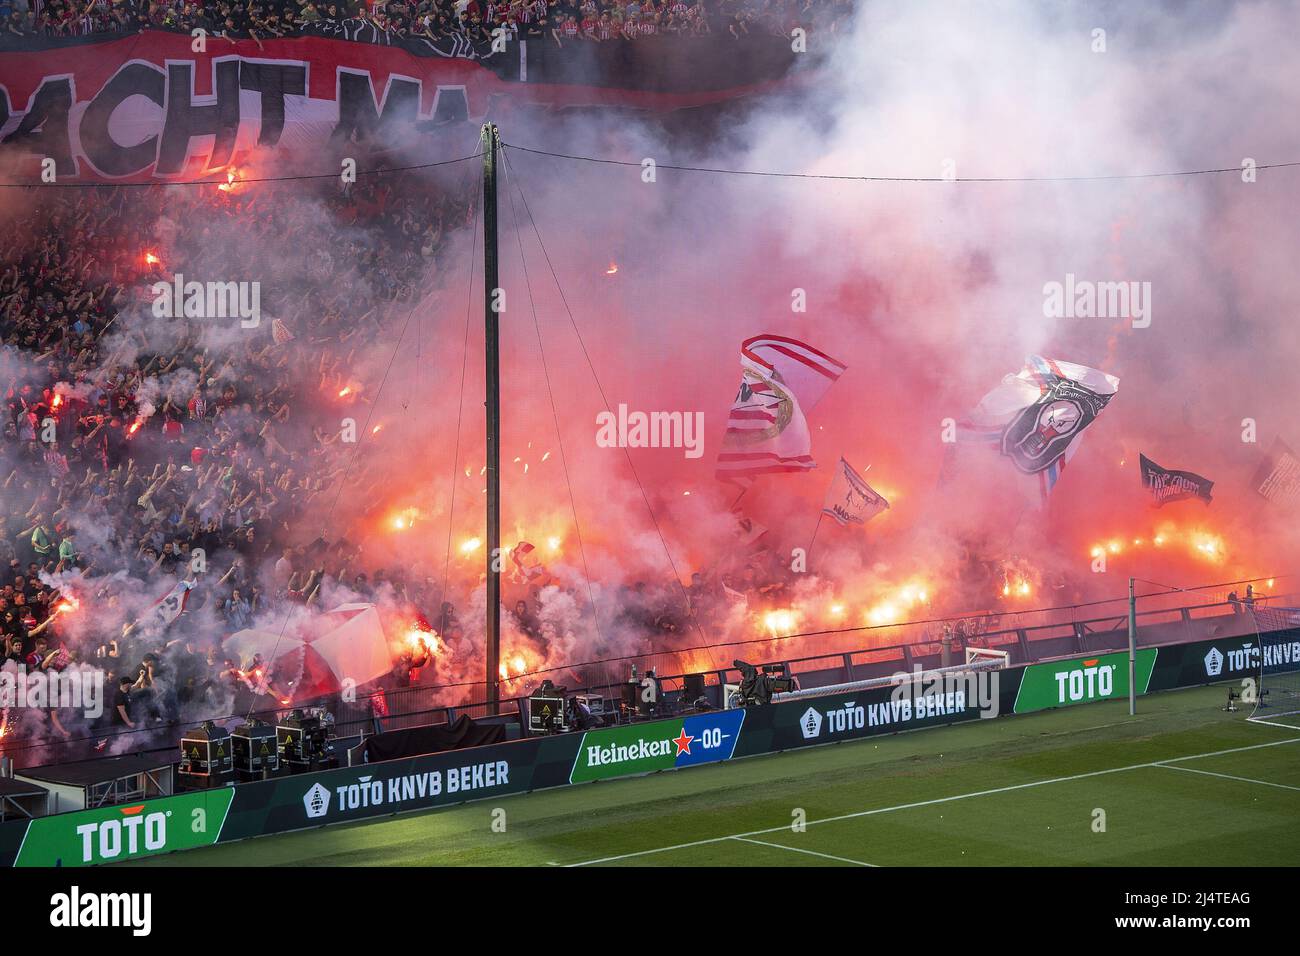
(1268, 722)
(797, 849)
(1228, 776)
(928, 803)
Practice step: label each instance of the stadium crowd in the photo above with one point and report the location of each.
(144, 460)
(131, 444)
(135, 449)
(382, 21)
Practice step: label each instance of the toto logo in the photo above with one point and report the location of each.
(317, 801)
(1214, 662)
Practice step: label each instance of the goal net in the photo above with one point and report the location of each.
(1278, 687)
(988, 657)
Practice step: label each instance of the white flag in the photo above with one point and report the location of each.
(748, 531)
(850, 500)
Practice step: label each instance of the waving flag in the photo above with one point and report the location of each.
(805, 370)
(748, 531)
(1037, 416)
(1278, 476)
(528, 564)
(1167, 485)
(280, 332)
(781, 379)
(850, 500)
(166, 609)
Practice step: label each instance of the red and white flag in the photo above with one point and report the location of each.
(807, 371)
(280, 332)
(527, 563)
(781, 378)
(168, 607)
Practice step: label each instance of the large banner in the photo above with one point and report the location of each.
(662, 745)
(126, 831)
(1083, 680)
(1236, 658)
(148, 106)
(870, 713)
(394, 786)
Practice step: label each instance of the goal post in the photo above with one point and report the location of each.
(1277, 671)
(983, 655)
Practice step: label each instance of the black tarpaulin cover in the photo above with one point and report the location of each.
(414, 741)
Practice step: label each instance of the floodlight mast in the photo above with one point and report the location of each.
(490, 140)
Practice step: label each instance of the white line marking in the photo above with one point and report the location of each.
(1268, 722)
(1215, 753)
(796, 849)
(1228, 776)
(928, 803)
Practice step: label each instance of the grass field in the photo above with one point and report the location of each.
(1181, 784)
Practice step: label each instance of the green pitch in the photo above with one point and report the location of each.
(1181, 784)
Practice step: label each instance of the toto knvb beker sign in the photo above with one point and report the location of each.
(844, 719)
(377, 791)
(1241, 657)
(1082, 680)
(867, 713)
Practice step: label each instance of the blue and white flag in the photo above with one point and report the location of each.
(1037, 416)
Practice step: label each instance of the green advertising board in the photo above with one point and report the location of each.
(126, 831)
(1082, 680)
(660, 745)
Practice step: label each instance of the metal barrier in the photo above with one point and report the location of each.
(1033, 636)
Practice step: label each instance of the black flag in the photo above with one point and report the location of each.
(1166, 485)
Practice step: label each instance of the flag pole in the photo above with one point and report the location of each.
(490, 140)
(817, 527)
(822, 513)
(1132, 650)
